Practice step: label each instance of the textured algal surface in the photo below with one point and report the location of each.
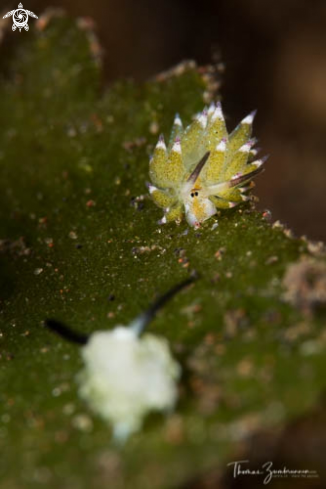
(80, 242)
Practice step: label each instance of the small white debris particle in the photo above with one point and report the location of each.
(73, 235)
(56, 392)
(154, 127)
(82, 422)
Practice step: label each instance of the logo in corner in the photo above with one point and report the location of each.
(20, 18)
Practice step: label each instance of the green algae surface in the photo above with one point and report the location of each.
(80, 242)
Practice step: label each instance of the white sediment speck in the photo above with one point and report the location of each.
(163, 220)
(311, 347)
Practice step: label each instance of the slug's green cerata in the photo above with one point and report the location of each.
(204, 168)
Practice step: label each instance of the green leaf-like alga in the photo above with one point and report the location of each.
(80, 242)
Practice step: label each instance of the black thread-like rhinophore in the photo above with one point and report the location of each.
(66, 332)
(148, 315)
(81, 339)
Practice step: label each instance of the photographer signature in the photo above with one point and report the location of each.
(269, 472)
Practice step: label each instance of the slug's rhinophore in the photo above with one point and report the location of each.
(126, 374)
(203, 168)
(20, 18)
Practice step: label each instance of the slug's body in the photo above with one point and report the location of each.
(203, 169)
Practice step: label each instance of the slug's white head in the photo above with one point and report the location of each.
(126, 376)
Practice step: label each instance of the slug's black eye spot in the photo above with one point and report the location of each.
(192, 194)
(196, 193)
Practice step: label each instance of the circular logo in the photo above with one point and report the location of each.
(20, 18)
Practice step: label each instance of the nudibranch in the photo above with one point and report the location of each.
(203, 168)
(126, 373)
